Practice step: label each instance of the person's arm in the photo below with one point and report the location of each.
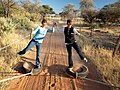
(60, 28)
(35, 30)
(76, 32)
(31, 33)
(51, 31)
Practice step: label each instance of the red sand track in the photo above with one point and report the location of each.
(54, 59)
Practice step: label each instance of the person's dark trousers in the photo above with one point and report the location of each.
(69, 50)
(29, 46)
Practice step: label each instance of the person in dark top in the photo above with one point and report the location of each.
(70, 32)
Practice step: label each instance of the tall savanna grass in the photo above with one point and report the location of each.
(107, 66)
(8, 56)
(9, 34)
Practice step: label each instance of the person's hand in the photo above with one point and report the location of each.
(54, 23)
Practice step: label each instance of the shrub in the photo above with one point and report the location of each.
(21, 22)
(6, 24)
(34, 17)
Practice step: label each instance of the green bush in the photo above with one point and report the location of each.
(33, 17)
(6, 24)
(21, 22)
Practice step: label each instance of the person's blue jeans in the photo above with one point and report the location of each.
(69, 50)
(38, 50)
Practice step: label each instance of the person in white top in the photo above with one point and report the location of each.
(70, 32)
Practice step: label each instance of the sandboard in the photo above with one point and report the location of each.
(29, 67)
(36, 71)
(82, 72)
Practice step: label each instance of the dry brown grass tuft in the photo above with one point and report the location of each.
(106, 65)
(8, 56)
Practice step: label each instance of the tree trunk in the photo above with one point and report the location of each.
(117, 46)
(7, 9)
(80, 26)
(91, 33)
(92, 28)
(3, 8)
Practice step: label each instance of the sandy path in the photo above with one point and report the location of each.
(54, 59)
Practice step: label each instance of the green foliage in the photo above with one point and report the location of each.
(6, 24)
(86, 10)
(33, 17)
(68, 11)
(18, 21)
(46, 9)
(110, 13)
(1, 11)
(86, 4)
(21, 22)
(89, 15)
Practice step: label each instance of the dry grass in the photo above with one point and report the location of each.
(107, 66)
(8, 56)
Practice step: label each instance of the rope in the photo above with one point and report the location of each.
(100, 82)
(79, 78)
(14, 42)
(15, 77)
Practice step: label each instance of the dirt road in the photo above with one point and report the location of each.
(54, 59)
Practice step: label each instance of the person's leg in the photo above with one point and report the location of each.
(29, 46)
(38, 51)
(69, 50)
(78, 50)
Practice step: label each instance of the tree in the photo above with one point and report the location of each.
(110, 13)
(87, 12)
(89, 15)
(117, 46)
(63, 15)
(30, 6)
(35, 7)
(86, 4)
(68, 11)
(76, 13)
(6, 6)
(46, 9)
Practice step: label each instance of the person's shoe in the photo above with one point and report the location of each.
(20, 53)
(70, 72)
(85, 59)
(71, 69)
(37, 67)
(37, 70)
(77, 75)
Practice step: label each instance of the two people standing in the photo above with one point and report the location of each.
(39, 34)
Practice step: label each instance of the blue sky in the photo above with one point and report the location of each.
(58, 5)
